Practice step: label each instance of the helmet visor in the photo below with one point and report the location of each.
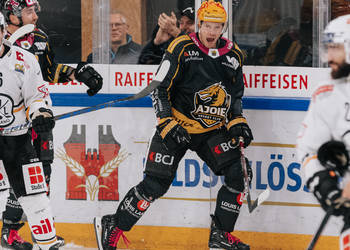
(332, 51)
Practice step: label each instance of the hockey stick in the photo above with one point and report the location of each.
(263, 196)
(143, 93)
(25, 29)
(320, 229)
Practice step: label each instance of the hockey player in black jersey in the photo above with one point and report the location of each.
(17, 14)
(198, 107)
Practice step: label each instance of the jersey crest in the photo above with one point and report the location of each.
(6, 107)
(211, 105)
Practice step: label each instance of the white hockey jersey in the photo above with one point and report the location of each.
(22, 88)
(328, 118)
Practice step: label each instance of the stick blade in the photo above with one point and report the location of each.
(25, 29)
(261, 198)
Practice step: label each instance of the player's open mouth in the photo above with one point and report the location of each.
(210, 40)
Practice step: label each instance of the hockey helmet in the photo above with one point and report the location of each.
(2, 22)
(211, 11)
(15, 7)
(337, 34)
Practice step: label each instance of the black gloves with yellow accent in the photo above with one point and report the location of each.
(43, 120)
(173, 134)
(89, 76)
(324, 185)
(238, 127)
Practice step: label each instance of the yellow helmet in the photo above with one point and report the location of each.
(211, 11)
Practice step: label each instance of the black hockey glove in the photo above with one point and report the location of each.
(238, 127)
(43, 120)
(333, 155)
(89, 76)
(324, 185)
(173, 134)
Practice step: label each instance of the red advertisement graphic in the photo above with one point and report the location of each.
(92, 173)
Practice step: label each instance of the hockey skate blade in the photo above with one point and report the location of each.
(98, 232)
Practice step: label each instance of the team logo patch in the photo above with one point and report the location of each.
(34, 179)
(211, 105)
(4, 181)
(6, 109)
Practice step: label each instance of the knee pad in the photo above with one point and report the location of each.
(40, 219)
(3, 199)
(234, 177)
(154, 187)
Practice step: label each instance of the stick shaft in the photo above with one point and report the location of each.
(320, 229)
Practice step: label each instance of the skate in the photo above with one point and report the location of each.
(10, 239)
(60, 243)
(107, 233)
(220, 239)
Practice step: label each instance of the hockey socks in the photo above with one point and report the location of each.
(40, 219)
(228, 206)
(131, 209)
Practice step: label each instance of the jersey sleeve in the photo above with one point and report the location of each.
(52, 71)
(237, 90)
(168, 72)
(34, 87)
(313, 133)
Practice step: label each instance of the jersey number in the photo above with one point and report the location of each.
(0, 79)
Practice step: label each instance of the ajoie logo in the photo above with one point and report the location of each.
(159, 158)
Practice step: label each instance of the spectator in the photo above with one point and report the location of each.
(123, 50)
(164, 34)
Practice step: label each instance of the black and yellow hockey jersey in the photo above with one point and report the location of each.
(37, 43)
(202, 88)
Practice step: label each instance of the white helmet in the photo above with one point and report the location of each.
(337, 32)
(2, 22)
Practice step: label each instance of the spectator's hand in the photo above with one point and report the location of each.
(168, 24)
(161, 37)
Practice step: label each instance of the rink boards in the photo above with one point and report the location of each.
(87, 184)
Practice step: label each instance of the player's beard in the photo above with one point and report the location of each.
(342, 71)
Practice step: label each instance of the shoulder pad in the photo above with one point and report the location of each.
(40, 33)
(322, 90)
(178, 42)
(239, 53)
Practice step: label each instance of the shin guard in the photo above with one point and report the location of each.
(39, 215)
(131, 209)
(228, 205)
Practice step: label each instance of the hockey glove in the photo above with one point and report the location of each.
(238, 127)
(173, 134)
(333, 155)
(324, 185)
(43, 120)
(90, 77)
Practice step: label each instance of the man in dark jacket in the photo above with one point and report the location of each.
(123, 49)
(164, 34)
